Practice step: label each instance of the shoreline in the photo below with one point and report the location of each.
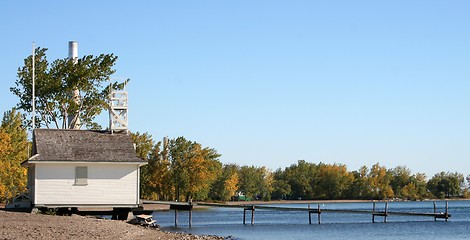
(20, 225)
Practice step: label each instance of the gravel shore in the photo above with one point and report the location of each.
(15, 225)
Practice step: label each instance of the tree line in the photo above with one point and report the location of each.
(180, 169)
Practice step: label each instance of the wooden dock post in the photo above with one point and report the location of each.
(309, 215)
(244, 216)
(310, 211)
(184, 207)
(191, 217)
(176, 218)
(252, 208)
(386, 209)
(447, 210)
(253, 215)
(373, 211)
(319, 214)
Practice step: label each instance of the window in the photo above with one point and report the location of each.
(81, 175)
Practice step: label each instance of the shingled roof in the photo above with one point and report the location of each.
(82, 146)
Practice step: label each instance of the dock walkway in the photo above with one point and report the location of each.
(188, 206)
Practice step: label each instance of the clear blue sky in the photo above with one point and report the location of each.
(267, 83)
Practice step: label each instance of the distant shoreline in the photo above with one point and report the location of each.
(162, 207)
(330, 201)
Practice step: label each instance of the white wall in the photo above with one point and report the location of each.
(115, 184)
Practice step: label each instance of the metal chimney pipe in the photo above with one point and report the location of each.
(74, 120)
(73, 51)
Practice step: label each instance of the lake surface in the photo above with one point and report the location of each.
(271, 224)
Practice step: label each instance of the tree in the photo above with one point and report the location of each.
(466, 190)
(5, 150)
(255, 182)
(156, 179)
(55, 84)
(143, 144)
(445, 185)
(400, 178)
(193, 168)
(332, 181)
(14, 147)
(248, 183)
(379, 182)
(360, 187)
(144, 147)
(300, 177)
(5, 144)
(415, 188)
(265, 182)
(231, 185)
(226, 184)
(281, 189)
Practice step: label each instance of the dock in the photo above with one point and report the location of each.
(374, 212)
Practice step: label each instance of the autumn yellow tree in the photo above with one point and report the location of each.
(231, 185)
(194, 168)
(13, 151)
(5, 150)
(379, 182)
(332, 181)
(156, 175)
(143, 144)
(226, 184)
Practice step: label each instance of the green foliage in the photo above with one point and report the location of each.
(400, 177)
(446, 184)
(408, 186)
(360, 188)
(265, 178)
(226, 184)
(300, 177)
(248, 181)
(281, 189)
(379, 182)
(156, 179)
(255, 182)
(332, 181)
(193, 168)
(143, 144)
(55, 84)
(180, 169)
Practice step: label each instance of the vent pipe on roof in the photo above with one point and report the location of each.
(74, 119)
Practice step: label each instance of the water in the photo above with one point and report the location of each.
(270, 224)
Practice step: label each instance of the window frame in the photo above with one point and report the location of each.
(81, 175)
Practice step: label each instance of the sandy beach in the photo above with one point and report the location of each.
(16, 225)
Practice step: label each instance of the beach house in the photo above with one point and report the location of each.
(83, 168)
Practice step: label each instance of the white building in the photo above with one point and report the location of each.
(81, 168)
